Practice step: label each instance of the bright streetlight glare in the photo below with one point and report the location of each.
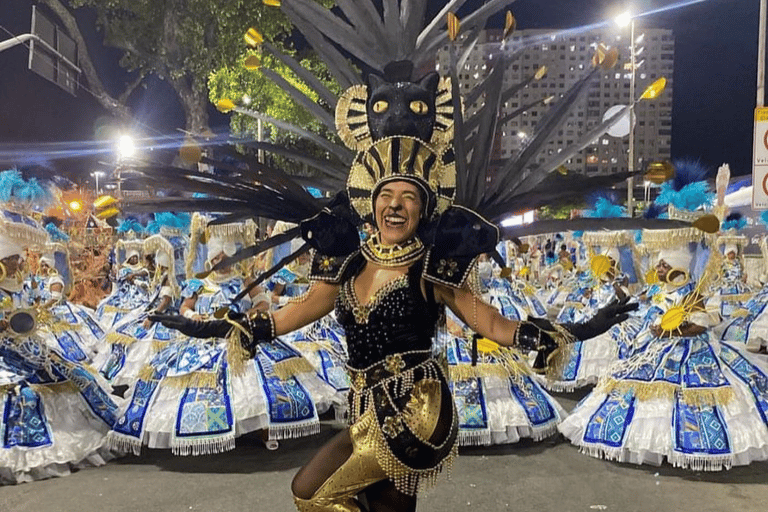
(623, 19)
(125, 146)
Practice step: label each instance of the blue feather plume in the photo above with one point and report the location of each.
(28, 193)
(688, 190)
(735, 221)
(130, 224)
(180, 221)
(55, 233)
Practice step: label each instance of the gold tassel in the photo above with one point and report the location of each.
(116, 338)
(113, 309)
(59, 387)
(290, 368)
(147, 373)
(237, 357)
(192, 380)
(158, 345)
(57, 328)
(652, 390)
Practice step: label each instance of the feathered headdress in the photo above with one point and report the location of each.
(688, 190)
(18, 230)
(734, 221)
(389, 44)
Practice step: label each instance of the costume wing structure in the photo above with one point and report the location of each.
(586, 224)
(362, 38)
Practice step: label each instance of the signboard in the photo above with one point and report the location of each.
(760, 160)
(54, 55)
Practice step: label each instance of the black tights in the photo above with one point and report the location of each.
(380, 497)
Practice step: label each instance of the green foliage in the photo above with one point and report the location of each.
(252, 90)
(176, 37)
(188, 41)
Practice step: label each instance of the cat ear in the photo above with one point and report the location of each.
(430, 82)
(352, 117)
(375, 81)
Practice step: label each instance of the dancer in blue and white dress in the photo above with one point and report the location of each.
(749, 324)
(73, 328)
(324, 345)
(196, 396)
(131, 287)
(679, 395)
(134, 338)
(55, 412)
(612, 267)
(730, 292)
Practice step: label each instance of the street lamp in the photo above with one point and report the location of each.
(96, 175)
(622, 20)
(125, 147)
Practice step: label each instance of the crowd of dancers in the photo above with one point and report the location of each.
(684, 380)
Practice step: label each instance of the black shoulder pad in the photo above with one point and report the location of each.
(330, 269)
(448, 270)
(330, 233)
(460, 237)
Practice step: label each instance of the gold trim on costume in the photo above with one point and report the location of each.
(397, 255)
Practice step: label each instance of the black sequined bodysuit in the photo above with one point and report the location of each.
(395, 380)
(396, 319)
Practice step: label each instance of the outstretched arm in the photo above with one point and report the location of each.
(262, 326)
(312, 306)
(480, 316)
(533, 334)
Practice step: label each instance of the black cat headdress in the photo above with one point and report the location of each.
(395, 124)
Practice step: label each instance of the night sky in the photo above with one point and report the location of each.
(713, 103)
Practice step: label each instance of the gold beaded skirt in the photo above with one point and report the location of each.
(402, 407)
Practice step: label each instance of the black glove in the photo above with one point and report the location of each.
(605, 318)
(195, 328)
(536, 334)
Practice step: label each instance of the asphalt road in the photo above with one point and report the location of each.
(550, 476)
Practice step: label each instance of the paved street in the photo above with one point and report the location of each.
(548, 476)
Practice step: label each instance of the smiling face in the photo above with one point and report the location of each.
(662, 270)
(398, 208)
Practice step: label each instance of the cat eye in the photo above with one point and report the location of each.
(380, 106)
(419, 107)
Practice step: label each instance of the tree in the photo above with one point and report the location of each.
(181, 41)
(251, 88)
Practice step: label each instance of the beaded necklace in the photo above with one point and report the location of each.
(397, 255)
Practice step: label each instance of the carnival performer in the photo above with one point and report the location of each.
(498, 400)
(55, 412)
(603, 282)
(749, 324)
(404, 423)
(131, 287)
(419, 173)
(731, 292)
(679, 395)
(134, 338)
(194, 396)
(72, 327)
